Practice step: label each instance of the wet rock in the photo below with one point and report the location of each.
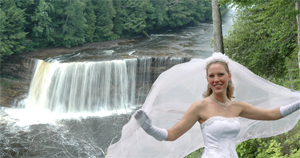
(13, 92)
(19, 67)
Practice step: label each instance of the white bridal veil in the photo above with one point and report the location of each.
(177, 88)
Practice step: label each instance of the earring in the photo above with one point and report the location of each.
(229, 83)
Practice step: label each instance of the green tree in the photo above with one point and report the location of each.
(203, 9)
(72, 22)
(75, 23)
(91, 21)
(105, 13)
(134, 20)
(68, 22)
(3, 48)
(297, 7)
(119, 17)
(42, 30)
(152, 16)
(29, 7)
(263, 36)
(180, 12)
(12, 34)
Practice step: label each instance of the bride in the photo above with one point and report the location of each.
(223, 120)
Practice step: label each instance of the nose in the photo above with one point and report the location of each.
(216, 79)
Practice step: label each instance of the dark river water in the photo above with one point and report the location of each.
(76, 105)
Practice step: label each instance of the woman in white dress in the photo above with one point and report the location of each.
(219, 116)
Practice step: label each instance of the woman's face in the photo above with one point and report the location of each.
(218, 78)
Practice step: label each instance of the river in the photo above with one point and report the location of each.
(78, 103)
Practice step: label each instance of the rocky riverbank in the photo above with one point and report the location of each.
(16, 71)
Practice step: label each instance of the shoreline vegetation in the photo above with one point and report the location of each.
(33, 25)
(41, 29)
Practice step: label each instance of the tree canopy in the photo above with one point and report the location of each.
(27, 25)
(12, 34)
(263, 36)
(264, 39)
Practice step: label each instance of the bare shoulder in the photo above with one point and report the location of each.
(200, 104)
(238, 104)
(197, 109)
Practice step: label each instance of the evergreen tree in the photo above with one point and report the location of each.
(70, 24)
(180, 12)
(105, 13)
(208, 13)
(151, 19)
(12, 34)
(202, 9)
(75, 23)
(42, 30)
(91, 21)
(57, 22)
(135, 16)
(119, 17)
(29, 7)
(3, 50)
(157, 17)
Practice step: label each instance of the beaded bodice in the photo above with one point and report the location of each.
(219, 135)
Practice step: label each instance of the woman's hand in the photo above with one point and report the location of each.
(145, 122)
(142, 118)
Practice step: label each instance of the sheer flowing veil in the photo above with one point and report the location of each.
(177, 88)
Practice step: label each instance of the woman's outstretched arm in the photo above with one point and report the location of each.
(252, 112)
(190, 117)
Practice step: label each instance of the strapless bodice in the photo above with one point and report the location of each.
(219, 135)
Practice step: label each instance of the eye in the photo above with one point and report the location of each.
(210, 76)
(221, 74)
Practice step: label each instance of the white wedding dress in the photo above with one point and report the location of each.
(219, 136)
(179, 87)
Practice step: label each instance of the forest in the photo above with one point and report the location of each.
(32, 24)
(264, 39)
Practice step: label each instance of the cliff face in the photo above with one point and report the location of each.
(16, 70)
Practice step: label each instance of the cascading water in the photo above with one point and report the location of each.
(70, 109)
(105, 86)
(78, 103)
(83, 87)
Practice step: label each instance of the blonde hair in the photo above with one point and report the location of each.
(230, 87)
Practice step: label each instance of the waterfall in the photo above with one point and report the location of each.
(95, 86)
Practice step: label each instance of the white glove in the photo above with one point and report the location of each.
(288, 109)
(145, 122)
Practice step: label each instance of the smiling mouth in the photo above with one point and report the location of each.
(217, 85)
